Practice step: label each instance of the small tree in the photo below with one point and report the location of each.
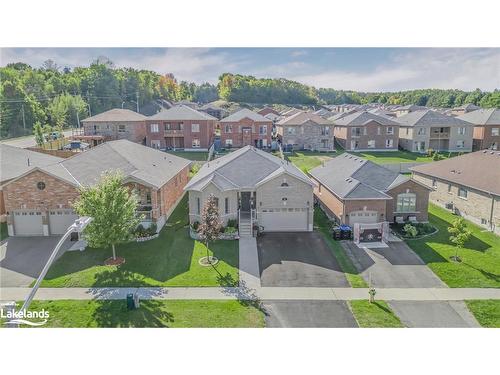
(460, 234)
(38, 133)
(113, 207)
(210, 225)
(410, 230)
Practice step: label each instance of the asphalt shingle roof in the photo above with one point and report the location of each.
(302, 117)
(489, 116)
(430, 118)
(116, 114)
(181, 112)
(361, 118)
(245, 113)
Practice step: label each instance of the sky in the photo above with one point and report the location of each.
(361, 69)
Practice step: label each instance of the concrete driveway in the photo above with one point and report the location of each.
(394, 267)
(308, 314)
(22, 259)
(298, 260)
(433, 314)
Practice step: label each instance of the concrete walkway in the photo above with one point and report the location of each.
(249, 262)
(267, 293)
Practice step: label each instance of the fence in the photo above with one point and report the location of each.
(58, 153)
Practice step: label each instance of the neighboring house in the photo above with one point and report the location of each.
(244, 128)
(420, 131)
(354, 190)
(462, 110)
(468, 185)
(213, 110)
(15, 161)
(325, 113)
(180, 127)
(267, 110)
(117, 124)
(39, 202)
(306, 131)
(486, 128)
(254, 187)
(383, 112)
(290, 112)
(404, 110)
(365, 131)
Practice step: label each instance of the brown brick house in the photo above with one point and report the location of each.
(468, 185)
(486, 128)
(365, 131)
(39, 202)
(180, 127)
(246, 128)
(354, 190)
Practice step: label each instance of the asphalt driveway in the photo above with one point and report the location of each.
(298, 260)
(308, 314)
(394, 267)
(22, 259)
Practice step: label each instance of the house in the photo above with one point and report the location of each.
(486, 133)
(462, 110)
(267, 110)
(290, 112)
(180, 127)
(468, 185)
(39, 202)
(244, 128)
(117, 124)
(306, 131)
(354, 190)
(254, 187)
(404, 110)
(420, 131)
(14, 162)
(365, 131)
(382, 112)
(213, 111)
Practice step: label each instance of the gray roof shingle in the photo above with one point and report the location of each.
(181, 112)
(245, 113)
(489, 116)
(361, 118)
(429, 118)
(301, 117)
(116, 114)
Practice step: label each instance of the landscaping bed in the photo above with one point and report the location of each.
(410, 231)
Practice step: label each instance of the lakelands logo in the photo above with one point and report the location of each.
(24, 317)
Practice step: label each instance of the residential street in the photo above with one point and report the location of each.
(28, 141)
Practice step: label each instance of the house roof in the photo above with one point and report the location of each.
(266, 110)
(181, 112)
(302, 117)
(429, 118)
(467, 107)
(411, 108)
(245, 113)
(116, 114)
(290, 112)
(247, 167)
(351, 177)
(361, 118)
(489, 116)
(478, 170)
(14, 161)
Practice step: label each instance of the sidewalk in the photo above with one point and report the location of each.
(265, 293)
(249, 262)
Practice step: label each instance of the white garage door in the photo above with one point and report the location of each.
(278, 220)
(60, 220)
(28, 223)
(366, 217)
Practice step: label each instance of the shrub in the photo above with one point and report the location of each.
(425, 228)
(410, 230)
(195, 225)
(232, 223)
(139, 231)
(436, 156)
(230, 230)
(195, 167)
(152, 229)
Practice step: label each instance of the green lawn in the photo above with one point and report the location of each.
(307, 160)
(151, 313)
(191, 155)
(3, 231)
(487, 312)
(374, 315)
(480, 266)
(322, 224)
(169, 260)
(395, 157)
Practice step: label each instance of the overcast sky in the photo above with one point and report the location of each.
(362, 69)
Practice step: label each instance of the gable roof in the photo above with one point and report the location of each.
(411, 108)
(302, 117)
(467, 107)
(247, 167)
(116, 114)
(245, 113)
(429, 118)
(489, 116)
(351, 177)
(14, 161)
(478, 170)
(361, 118)
(181, 112)
(266, 110)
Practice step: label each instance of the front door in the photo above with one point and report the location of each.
(245, 201)
(247, 136)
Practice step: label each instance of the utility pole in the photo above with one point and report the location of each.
(24, 120)
(137, 100)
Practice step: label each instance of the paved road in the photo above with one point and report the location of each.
(298, 260)
(302, 314)
(29, 141)
(434, 314)
(394, 267)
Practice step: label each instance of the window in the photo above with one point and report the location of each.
(434, 183)
(354, 145)
(181, 125)
(226, 205)
(228, 128)
(371, 143)
(195, 128)
(484, 221)
(40, 185)
(263, 129)
(325, 143)
(421, 131)
(494, 146)
(155, 144)
(406, 202)
(290, 130)
(196, 143)
(460, 143)
(356, 132)
(153, 128)
(461, 131)
(390, 130)
(148, 197)
(389, 143)
(407, 131)
(449, 188)
(284, 183)
(229, 142)
(495, 131)
(168, 126)
(325, 130)
(198, 208)
(378, 130)
(462, 193)
(216, 201)
(121, 128)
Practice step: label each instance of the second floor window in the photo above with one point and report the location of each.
(195, 128)
(263, 129)
(121, 128)
(153, 128)
(290, 130)
(495, 131)
(228, 129)
(390, 130)
(168, 126)
(461, 131)
(196, 143)
(356, 132)
(325, 130)
(421, 131)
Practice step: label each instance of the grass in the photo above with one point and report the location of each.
(480, 266)
(487, 312)
(322, 224)
(374, 315)
(3, 231)
(191, 155)
(169, 260)
(151, 313)
(307, 160)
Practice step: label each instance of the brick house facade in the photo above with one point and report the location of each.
(245, 128)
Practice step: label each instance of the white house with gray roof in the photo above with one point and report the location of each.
(254, 187)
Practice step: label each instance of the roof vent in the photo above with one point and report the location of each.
(485, 151)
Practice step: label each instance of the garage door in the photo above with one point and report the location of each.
(60, 220)
(284, 220)
(28, 223)
(366, 217)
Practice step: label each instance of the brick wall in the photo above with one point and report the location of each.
(422, 201)
(378, 205)
(372, 130)
(333, 205)
(237, 136)
(308, 136)
(135, 131)
(172, 191)
(484, 137)
(184, 137)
